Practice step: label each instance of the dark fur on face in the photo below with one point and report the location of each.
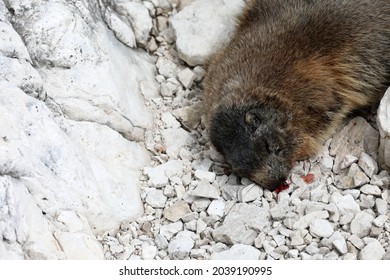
(264, 150)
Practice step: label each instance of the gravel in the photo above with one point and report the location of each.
(335, 208)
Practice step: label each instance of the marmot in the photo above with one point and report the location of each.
(292, 71)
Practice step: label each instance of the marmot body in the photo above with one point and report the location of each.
(291, 73)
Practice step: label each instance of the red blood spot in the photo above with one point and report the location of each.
(282, 186)
(308, 179)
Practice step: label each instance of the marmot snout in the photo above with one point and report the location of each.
(290, 74)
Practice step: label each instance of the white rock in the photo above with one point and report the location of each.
(250, 193)
(241, 219)
(177, 211)
(305, 221)
(171, 229)
(169, 89)
(237, 252)
(186, 77)
(372, 251)
(78, 246)
(200, 226)
(321, 228)
(383, 121)
(180, 246)
(292, 254)
(161, 242)
(368, 164)
(339, 242)
(159, 175)
(334, 214)
(68, 155)
(205, 189)
(347, 161)
(205, 175)
(135, 16)
(381, 180)
(149, 252)
(116, 248)
(361, 224)
(71, 220)
(381, 206)
(356, 241)
(371, 189)
(380, 220)
(155, 198)
(297, 239)
(202, 27)
(175, 139)
(169, 120)
(354, 178)
(357, 137)
(345, 204)
(216, 209)
(200, 204)
(83, 53)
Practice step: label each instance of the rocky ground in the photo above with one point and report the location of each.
(106, 154)
(337, 205)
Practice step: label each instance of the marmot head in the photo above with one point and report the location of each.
(254, 141)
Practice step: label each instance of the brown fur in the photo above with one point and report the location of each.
(297, 68)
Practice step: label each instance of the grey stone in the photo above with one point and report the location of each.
(304, 221)
(357, 137)
(177, 211)
(241, 218)
(380, 220)
(356, 241)
(345, 204)
(189, 116)
(216, 208)
(250, 193)
(372, 251)
(206, 190)
(180, 246)
(361, 224)
(237, 252)
(186, 77)
(381, 206)
(202, 175)
(371, 189)
(321, 228)
(368, 164)
(169, 230)
(155, 198)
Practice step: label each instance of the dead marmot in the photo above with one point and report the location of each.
(292, 71)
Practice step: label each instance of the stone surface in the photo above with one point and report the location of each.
(368, 164)
(372, 251)
(217, 25)
(383, 120)
(361, 224)
(241, 219)
(357, 137)
(238, 252)
(205, 189)
(179, 248)
(177, 211)
(320, 228)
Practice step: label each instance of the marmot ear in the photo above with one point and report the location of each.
(252, 119)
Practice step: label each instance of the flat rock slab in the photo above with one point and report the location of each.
(238, 223)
